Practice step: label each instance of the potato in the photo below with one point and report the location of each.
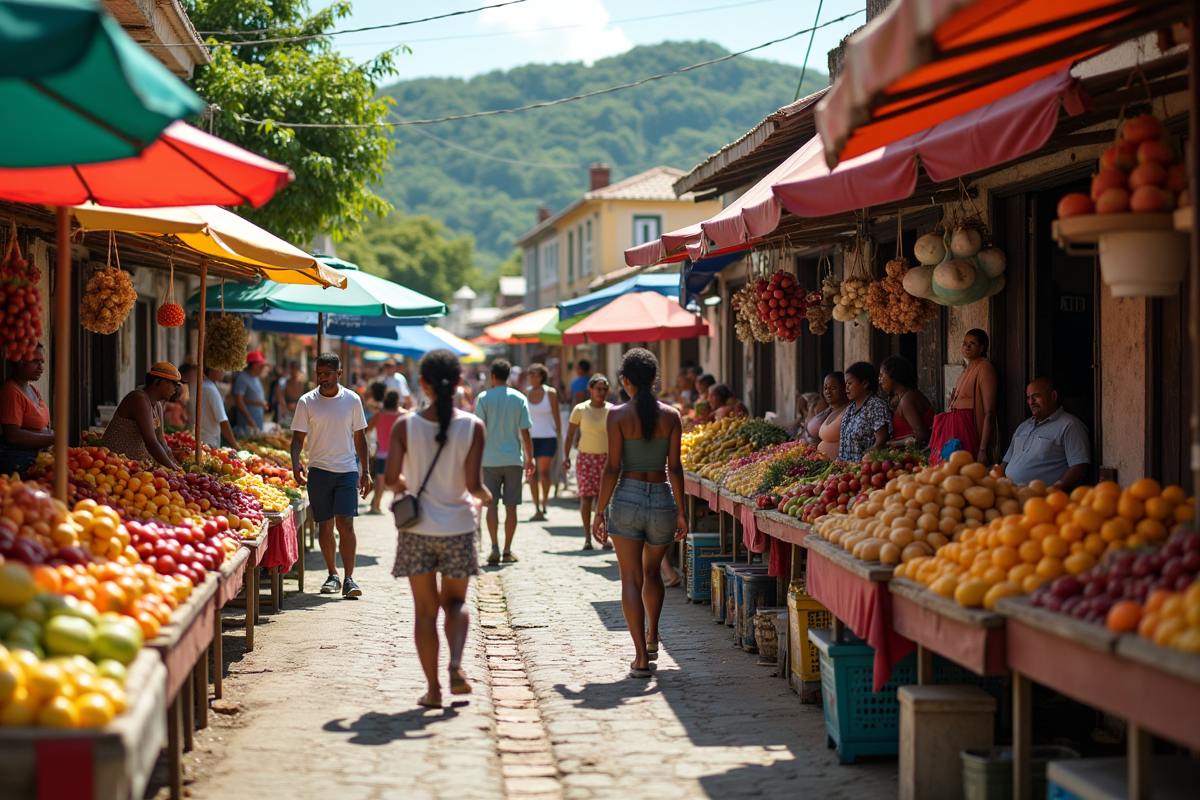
(960, 459)
(860, 511)
(956, 484)
(891, 514)
(874, 508)
(926, 494)
(972, 512)
(911, 504)
(946, 525)
(954, 500)
(909, 490)
(932, 508)
(1008, 506)
(889, 554)
(927, 522)
(990, 514)
(893, 501)
(936, 540)
(920, 535)
(1004, 488)
(950, 512)
(903, 523)
(971, 524)
(914, 514)
(913, 551)
(988, 482)
(975, 471)
(980, 497)
(901, 537)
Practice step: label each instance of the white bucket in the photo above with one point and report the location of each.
(1143, 263)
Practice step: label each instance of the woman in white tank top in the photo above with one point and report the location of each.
(545, 433)
(440, 448)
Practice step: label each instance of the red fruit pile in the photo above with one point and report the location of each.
(782, 303)
(1142, 173)
(170, 315)
(20, 306)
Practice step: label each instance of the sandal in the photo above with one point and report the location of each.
(588, 545)
(538, 517)
(671, 584)
(508, 558)
(640, 673)
(652, 651)
(430, 700)
(493, 557)
(459, 683)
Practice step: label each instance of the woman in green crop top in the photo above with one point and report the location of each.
(643, 479)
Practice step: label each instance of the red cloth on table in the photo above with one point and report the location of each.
(756, 540)
(282, 547)
(77, 782)
(865, 606)
(957, 423)
(781, 553)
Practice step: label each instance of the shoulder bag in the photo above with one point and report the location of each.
(406, 509)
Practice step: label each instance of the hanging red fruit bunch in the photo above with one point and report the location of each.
(782, 304)
(170, 313)
(20, 304)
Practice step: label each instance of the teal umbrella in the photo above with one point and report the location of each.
(365, 295)
(551, 333)
(76, 89)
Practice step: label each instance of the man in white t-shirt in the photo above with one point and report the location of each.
(213, 419)
(331, 420)
(394, 380)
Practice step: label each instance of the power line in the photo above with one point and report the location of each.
(399, 123)
(307, 36)
(808, 52)
(450, 144)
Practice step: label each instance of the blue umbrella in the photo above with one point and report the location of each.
(277, 320)
(411, 342)
(665, 284)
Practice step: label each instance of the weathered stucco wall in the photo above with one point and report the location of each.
(1123, 411)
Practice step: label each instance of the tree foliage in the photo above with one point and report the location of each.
(307, 82)
(678, 121)
(415, 252)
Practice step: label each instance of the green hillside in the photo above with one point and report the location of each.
(677, 121)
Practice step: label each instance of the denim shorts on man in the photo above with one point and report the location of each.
(641, 510)
(332, 494)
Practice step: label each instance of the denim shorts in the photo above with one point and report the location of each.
(332, 494)
(545, 447)
(641, 510)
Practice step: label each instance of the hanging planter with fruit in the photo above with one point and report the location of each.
(170, 313)
(1127, 216)
(850, 302)
(20, 303)
(109, 296)
(892, 309)
(957, 269)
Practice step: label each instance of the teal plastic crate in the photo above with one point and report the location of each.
(703, 550)
(860, 721)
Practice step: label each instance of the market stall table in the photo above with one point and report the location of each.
(183, 645)
(110, 763)
(1157, 691)
(282, 551)
(970, 637)
(257, 552)
(232, 576)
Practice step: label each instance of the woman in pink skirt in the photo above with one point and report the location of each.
(972, 415)
(590, 419)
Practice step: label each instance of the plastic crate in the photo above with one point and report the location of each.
(803, 613)
(703, 549)
(988, 771)
(717, 592)
(1056, 792)
(733, 593)
(860, 721)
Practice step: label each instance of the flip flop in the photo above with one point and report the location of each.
(652, 651)
(459, 683)
(670, 584)
(588, 545)
(640, 673)
(427, 700)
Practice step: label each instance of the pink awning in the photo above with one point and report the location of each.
(1011, 127)
(640, 317)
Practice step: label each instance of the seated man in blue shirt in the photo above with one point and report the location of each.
(1051, 446)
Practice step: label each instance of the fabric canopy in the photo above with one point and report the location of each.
(414, 342)
(551, 333)
(523, 329)
(922, 62)
(1001, 131)
(213, 231)
(665, 284)
(698, 275)
(184, 166)
(75, 87)
(640, 317)
(275, 320)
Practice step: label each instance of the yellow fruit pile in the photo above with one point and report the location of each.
(1056, 535)
(272, 498)
(914, 515)
(712, 444)
(65, 692)
(1172, 619)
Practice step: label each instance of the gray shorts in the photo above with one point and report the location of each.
(641, 510)
(453, 556)
(505, 484)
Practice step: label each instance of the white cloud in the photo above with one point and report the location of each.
(584, 33)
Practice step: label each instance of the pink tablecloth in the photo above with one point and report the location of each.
(756, 540)
(282, 547)
(865, 606)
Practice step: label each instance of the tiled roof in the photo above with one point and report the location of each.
(653, 184)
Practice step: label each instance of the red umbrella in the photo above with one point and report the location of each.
(184, 167)
(639, 317)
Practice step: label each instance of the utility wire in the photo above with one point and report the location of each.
(307, 36)
(804, 68)
(399, 123)
(450, 144)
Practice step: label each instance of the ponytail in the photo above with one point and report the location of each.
(442, 370)
(640, 368)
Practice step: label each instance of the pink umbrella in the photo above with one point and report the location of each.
(639, 317)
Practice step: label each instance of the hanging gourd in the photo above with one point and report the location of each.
(892, 309)
(170, 313)
(225, 340)
(109, 296)
(850, 302)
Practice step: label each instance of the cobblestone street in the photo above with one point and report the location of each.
(327, 701)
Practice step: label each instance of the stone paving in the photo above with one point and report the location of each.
(328, 698)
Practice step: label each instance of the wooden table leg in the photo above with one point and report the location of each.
(1022, 689)
(924, 665)
(175, 750)
(300, 557)
(722, 533)
(838, 630)
(1138, 743)
(276, 589)
(218, 648)
(251, 596)
(201, 680)
(187, 699)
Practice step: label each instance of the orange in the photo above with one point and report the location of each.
(1107, 488)
(1032, 582)
(1094, 544)
(1158, 508)
(1031, 551)
(1050, 568)
(1167, 629)
(995, 575)
(1058, 500)
(1116, 529)
(1079, 493)
(1145, 488)
(1183, 513)
(945, 586)
(1037, 510)
(59, 712)
(1021, 571)
(1072, 532)
(1043, 530)
(47, 579)
(1130, 507)
(1151, 530)
(1079, 563)
(1174, 495)
(1005, 557)
(970, 593)
(1124, 616)
(1156, 599)
(1148, 624)
(1056, 546)
(1173, 606)
(1002, 589)
(1089, 519)
(1064, 516)
(20, 712)
(1105, 505)
(1014, 535)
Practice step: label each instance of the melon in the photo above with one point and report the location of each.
(992, 261)
(965, 242)
(930, 249)
(917, 282)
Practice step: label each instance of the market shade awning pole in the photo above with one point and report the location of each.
(1194, 277)
(320, 332)
(200, 354)
(62, 350)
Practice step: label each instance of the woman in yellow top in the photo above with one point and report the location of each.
(590, 418)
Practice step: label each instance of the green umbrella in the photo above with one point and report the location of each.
(552, 331)
(365, 295)
(76, 89)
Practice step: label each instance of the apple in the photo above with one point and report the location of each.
(1122, 156)
(1141, 128)
(1150, 173)
(1114, 200)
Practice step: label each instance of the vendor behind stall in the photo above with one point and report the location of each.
(136, 429)
(1051, 446)
(24, 416)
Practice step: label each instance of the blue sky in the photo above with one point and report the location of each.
(585, 30)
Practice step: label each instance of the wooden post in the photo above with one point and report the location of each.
(62, 351)
(200, 355)
(1022, 689)
(924, 665)
(218, 648)
(1194, 276)
(320, 332)
(1140, 752)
